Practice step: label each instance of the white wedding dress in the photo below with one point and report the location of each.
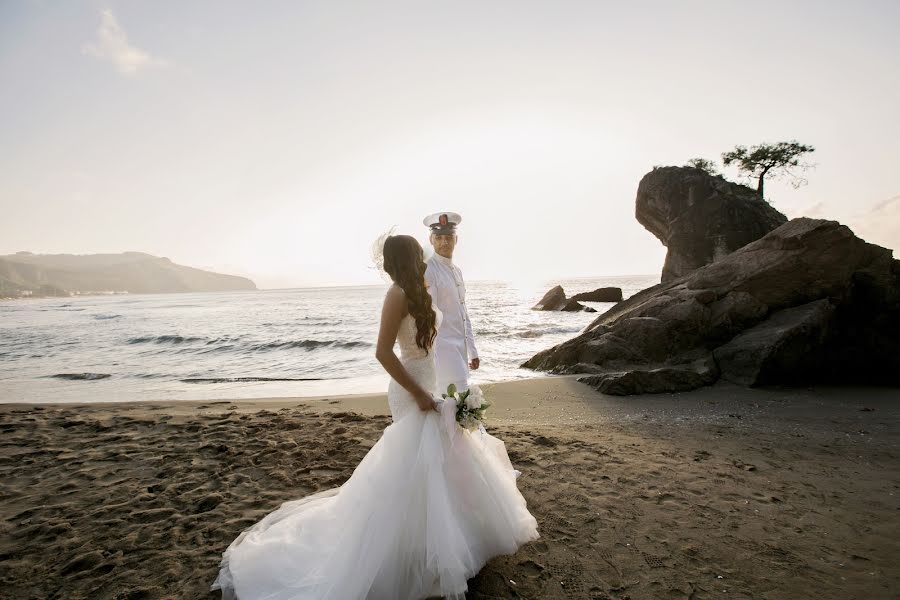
(423, 512)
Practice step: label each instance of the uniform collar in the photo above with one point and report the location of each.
(443, 260)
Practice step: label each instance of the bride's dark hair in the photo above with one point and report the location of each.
(404, 263)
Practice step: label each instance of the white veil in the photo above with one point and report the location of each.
(378, 252)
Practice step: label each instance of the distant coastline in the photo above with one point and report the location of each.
(28, 275)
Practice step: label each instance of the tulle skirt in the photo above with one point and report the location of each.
(423, 512)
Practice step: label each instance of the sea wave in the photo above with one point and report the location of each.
(234, 344)
(526, 331)
(309, 344)
(165, 339)
(303, 321)
(540, 332)
(82, 376)
(246, 379)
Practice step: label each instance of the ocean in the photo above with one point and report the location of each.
(254, 344)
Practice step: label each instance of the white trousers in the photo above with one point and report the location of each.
(452, 364)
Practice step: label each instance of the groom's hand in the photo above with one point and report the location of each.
(474, 363)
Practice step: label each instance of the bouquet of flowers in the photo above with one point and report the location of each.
(470, 406)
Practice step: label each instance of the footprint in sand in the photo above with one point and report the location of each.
(652, 560)
(531, 569)
(568, 577)
(573, 586)
(543, 441)
(208, 503)
(701, 455)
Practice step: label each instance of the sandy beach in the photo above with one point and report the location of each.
(724, 492)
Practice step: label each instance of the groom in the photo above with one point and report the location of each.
(454, 346)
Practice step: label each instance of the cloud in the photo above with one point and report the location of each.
(113, 45)
(881, 225)
(887, 205)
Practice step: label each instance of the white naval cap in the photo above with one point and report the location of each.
(442, 223)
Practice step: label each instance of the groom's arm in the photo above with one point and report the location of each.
(474, 361)
(471, 350)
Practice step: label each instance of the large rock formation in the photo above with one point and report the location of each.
(604, 294)
(132, 272)
(808, 302)
(556, 300)
(699, 217)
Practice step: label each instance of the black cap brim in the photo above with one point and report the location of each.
(443, 229)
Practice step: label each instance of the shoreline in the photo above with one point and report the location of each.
(776, 493)
(522, 399)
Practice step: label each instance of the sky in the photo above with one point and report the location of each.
(278, 140)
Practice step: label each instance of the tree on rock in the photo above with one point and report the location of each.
(765, 159)
(704, 164)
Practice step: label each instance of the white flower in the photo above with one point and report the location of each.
(475, 398)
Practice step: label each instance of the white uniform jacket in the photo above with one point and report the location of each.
(454, 345)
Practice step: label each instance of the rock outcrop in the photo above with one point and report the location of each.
(700, 217)
(809, 302)
(556, 300)
(604, 294)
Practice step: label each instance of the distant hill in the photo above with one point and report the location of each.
(25, 273)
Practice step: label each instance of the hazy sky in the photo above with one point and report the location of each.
(278, 139)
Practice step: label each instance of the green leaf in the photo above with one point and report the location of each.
(451, 389)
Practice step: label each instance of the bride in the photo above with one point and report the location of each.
(425, 509)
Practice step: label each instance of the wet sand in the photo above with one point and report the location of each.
(722, 492)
